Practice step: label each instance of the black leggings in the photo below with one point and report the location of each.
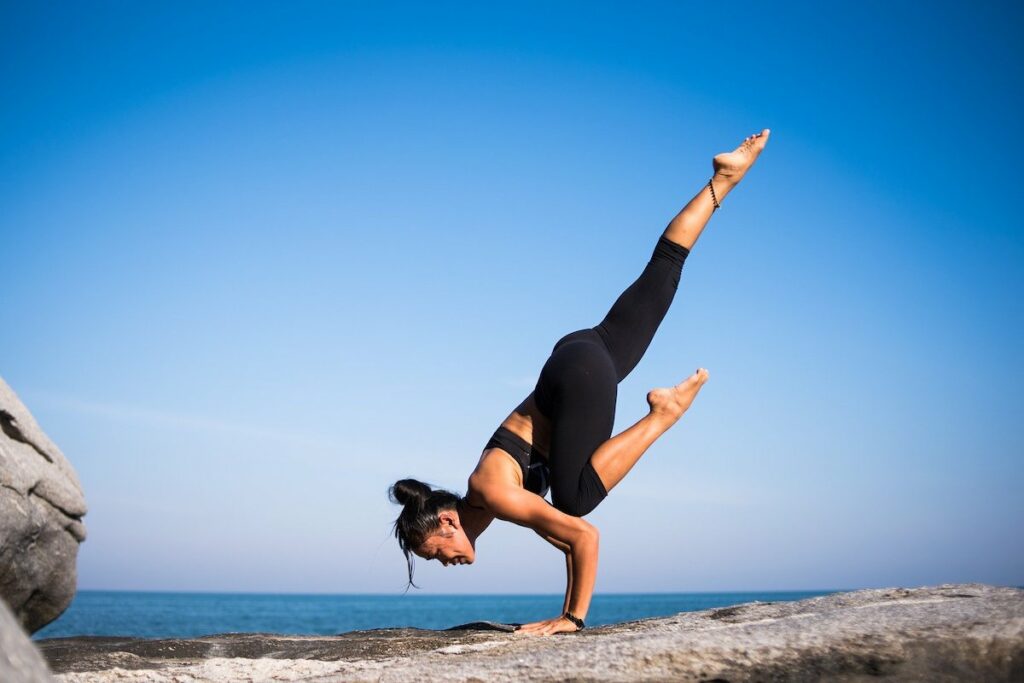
(578, 385)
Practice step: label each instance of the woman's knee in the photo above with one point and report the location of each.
(577, 507)
(581, 499)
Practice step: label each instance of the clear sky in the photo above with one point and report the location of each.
(262, 260)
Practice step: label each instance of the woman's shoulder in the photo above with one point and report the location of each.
(497, 468)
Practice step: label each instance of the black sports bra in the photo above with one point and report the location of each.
(536, 474)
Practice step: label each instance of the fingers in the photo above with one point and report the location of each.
(539, 632)
(531, 628)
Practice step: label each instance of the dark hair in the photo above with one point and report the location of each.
(419, 518)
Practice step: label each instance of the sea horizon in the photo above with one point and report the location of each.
(191, 614)
(412, 592)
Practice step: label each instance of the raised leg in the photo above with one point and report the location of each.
(577, 387)
(616, 456)
(628, 328)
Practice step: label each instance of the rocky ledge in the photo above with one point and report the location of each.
(968, 632)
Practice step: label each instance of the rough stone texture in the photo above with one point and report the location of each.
(946, 633)
(20, 662)
(41, 510)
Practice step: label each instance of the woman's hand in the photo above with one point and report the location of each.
(549, 627)
(583, 540)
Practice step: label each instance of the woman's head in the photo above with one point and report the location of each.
(429, 525)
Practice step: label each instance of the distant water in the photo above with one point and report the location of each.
(187, 615)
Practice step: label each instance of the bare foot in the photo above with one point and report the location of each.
(731, 166)
(672, 402)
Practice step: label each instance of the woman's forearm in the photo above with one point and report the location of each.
(583, 563)
(567, 551)
(568, 581)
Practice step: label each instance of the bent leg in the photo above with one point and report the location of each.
(585, 460)
(577, 390)
(616, 456)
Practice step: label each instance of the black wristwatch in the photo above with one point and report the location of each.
(576, 620)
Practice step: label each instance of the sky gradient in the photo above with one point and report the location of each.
(263, 259)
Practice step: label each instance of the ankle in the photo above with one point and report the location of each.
(724, 183)
(661, 417)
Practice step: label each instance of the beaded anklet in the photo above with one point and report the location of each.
(714, 198)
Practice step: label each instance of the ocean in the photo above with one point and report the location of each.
(188, 615)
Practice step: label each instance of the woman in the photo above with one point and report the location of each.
(559, 437)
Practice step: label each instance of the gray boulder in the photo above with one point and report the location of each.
(20, 662)
(41, 510)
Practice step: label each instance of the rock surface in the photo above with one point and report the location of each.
(41, 510)
(968, 632)
(20, 662)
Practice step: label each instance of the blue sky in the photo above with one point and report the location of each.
(261, 260)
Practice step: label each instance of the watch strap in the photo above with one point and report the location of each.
(576, 620)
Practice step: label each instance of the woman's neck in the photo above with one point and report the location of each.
(474, 520)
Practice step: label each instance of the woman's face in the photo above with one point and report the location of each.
(449, 543)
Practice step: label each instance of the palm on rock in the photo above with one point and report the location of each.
(548, 627)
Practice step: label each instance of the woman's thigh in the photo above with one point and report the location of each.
(577, 391)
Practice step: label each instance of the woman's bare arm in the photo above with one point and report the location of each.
(527, 509)
(568, 567)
